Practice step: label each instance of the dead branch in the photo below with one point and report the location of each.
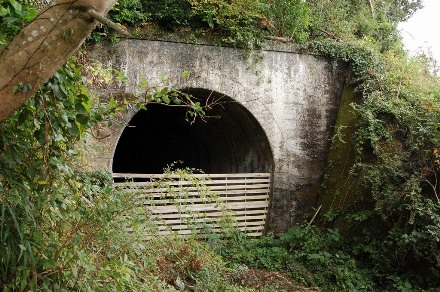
(277, 39)
(118, 28)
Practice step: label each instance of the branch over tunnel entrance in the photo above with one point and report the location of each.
(230, 141)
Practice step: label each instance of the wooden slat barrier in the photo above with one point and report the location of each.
(184, 205)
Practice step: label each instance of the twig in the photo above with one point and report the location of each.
(314, 216)
(330, 34)
(434, 186)
(372, 8)
(398, 89)
(278, 39)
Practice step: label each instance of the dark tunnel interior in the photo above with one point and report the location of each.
(232, 143)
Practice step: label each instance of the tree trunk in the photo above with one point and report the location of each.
(43, 46)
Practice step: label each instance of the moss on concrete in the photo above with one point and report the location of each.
(340, 187)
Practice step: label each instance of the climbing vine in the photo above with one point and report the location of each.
(393, 208)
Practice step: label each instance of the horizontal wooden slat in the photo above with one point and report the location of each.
(204, 200)
(213, 225)
(193, 190)
(213, 219)
(197, 175)
(254, 234)
(206, 183)
(257, 220)
(244, 195)
(148, 187)
(220, 196)
(208, 207)
(215, 230)
(215, 214)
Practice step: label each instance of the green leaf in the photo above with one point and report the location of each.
(82, 119)
(186, 74)
(23, 284)
(75, 272)
(36, 123)
(59, 94)
(112, 103)
(141, 107)
(15, 89)
(197, 106)
(166, 99)
(4, 11)
(80, 108)
(58, 137)
(121, 76)
(16, 5)
(314, 256)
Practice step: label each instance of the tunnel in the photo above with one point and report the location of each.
(228, 140)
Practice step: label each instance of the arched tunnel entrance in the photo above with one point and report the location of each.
(231, 149)
(230, 141)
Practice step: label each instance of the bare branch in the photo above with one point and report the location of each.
(372, 8)
(434, 186)
(118, 28)
(277, 39)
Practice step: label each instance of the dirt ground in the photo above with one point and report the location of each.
(261, 280)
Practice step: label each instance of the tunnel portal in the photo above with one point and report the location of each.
(294, 96)
(230, 140)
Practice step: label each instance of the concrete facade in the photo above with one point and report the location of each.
(293, 97)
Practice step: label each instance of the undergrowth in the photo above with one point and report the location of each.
(310, 256)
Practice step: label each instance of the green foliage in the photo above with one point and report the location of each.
(77, 232)
(311, 256)
(169, 13)
(400, 10)
(37, 179)
(167, 93)
(13, 15)
(399, 130)
(187, 263)
(347, 20)
(246, 23)
(289, 19)
(326, 256)
(395, 208)
(164, 92)
(64, 229)
(239, 20)
(241, 23)
(238, 249)
(128, 12)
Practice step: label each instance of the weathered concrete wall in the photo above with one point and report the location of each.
(294, 97)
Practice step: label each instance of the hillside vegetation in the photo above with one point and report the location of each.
(63, 228)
